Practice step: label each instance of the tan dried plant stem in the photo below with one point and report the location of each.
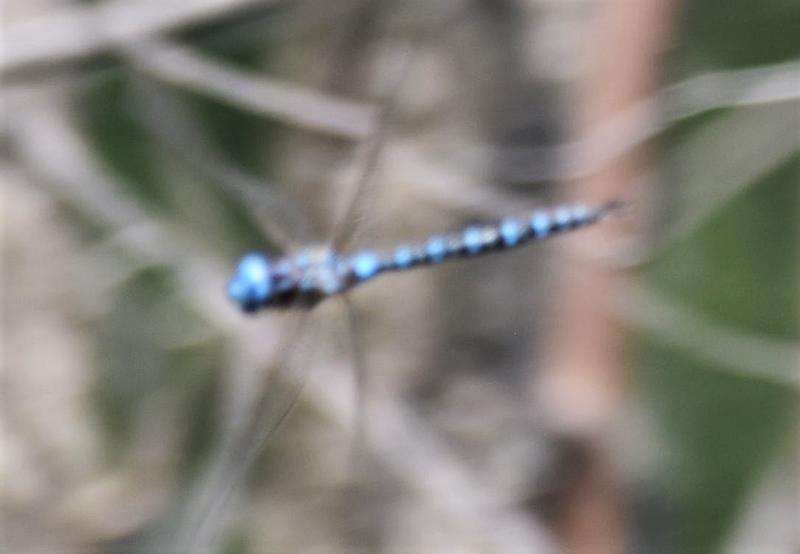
(584, 382)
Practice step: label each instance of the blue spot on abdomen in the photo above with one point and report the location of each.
(540, 225)
(403, 257)
(473, 240)
(436, 249)
(366, 265)
(510, 232)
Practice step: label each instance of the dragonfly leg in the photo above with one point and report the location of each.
(359, 502)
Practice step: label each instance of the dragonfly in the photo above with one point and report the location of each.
(314, 274)
(303, 278)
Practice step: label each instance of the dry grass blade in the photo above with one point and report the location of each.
(667, 320)
(79, 31)
(606, 142)
(766, 136)
(56, 155)
(290, 103)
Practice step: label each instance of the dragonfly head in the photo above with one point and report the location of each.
(251, 284)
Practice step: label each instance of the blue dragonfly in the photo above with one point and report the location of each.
(305, 276)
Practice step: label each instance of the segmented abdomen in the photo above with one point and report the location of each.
(511, 232)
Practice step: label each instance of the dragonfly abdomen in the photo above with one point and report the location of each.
(511, 232)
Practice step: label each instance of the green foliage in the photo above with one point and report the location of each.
(741, 266)
(118, 139)
(738, 271)
(734, 34)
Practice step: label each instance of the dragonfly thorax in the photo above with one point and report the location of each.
(299, 280)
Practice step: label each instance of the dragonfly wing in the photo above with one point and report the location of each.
(368, 157)
(213, 501)
(171, 122)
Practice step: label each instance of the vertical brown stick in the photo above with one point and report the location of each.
(584, 380)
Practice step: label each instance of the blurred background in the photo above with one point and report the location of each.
(630, 388)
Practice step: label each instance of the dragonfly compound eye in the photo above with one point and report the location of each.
(251, 284)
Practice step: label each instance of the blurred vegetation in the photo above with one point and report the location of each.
(159, 363)
(738, 270)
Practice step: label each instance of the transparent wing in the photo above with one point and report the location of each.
(213, 501)
(368, 155)
(172, 124)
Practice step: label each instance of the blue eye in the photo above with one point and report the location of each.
(251, 283)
